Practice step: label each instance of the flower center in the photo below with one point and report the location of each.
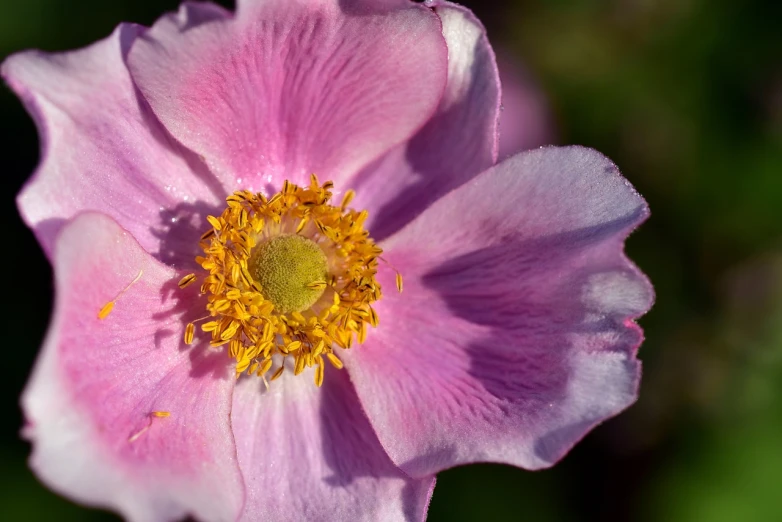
(291, 270)
(288, 278)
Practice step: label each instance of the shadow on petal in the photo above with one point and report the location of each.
(188, 306)
(179, 230)
(350, 448)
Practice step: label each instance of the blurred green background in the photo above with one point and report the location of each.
(686, 97)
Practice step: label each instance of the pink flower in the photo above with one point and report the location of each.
(513, 335)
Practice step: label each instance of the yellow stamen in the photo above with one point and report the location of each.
(265, 366)
(301, 362)
(108, 307)
(290, 276)
(150, 418)
(278, 373)
(106, 310)
(334, 360)
(187, 280)
(189, 333)
(347, 198)
(216, 223)
(319, 373)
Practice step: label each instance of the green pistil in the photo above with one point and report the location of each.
(291, 270)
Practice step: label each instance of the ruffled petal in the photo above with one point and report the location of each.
(515, 332)
(309, 453)
(456, 144)
(91, 400)
(291, 87)
(102, 149)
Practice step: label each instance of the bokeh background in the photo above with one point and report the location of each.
(686, 97)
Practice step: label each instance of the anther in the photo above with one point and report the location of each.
(189, 333)
(150, 418)
(347, 198)
(186, 281)
(277, 373)
(334, 360)
(398, 274)
(215, 222)
(319, 372)
(108, 307)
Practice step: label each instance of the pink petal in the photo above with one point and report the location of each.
(96, 383)
(458, 143)
(288, 88)
(309, 453)
(514, 335)
(525, 122)
(102, 149)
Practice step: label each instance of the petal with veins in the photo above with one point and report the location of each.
(309, 453)
(515, 334)
(90, 404)
(287, 88)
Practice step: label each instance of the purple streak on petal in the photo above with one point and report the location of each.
(515, 333)
(288, 88)
(102, 148)
(310, 454)
(458, 143)
(97, 382)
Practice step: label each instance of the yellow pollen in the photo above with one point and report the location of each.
(291, 270)
(288, 277)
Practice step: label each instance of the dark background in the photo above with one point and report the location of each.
(686, 97)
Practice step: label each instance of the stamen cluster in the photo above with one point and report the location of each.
(259, 336)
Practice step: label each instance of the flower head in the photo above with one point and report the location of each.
(230, 203)
(289, 276)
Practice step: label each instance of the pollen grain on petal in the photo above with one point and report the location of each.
(290, 277)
